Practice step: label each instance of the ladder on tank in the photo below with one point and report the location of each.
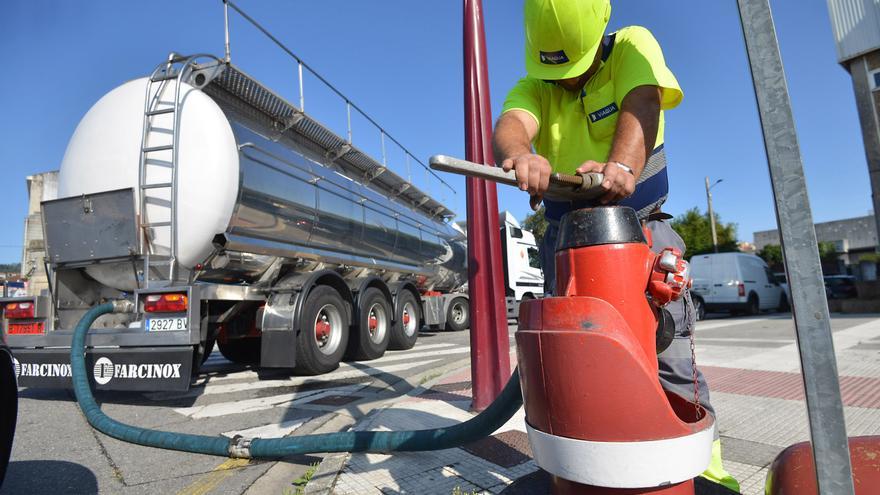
(158, 157)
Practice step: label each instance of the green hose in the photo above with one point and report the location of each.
(504, 406)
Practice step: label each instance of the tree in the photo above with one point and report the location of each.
(827, 252)
(772, 254)
(536, 224)
(695, 230)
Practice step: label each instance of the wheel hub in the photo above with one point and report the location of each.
(322, 329)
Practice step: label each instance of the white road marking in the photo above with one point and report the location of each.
(709, 325)
(393, 356)
(786, 358)
(250, 405)
(274, 430)
(229, 388)
(721, 340)
(349, 371)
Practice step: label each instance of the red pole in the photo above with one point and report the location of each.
(490, 351)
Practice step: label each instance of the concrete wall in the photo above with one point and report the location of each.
(858, 233)
(41, 187)
(852, 236)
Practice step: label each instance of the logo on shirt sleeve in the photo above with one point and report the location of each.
(554, 58)
(603, 112)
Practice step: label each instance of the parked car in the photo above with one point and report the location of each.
(840, 286)
(8, 409)
(735, 282)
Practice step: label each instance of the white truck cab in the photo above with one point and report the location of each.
(735, 282)
(523, 276)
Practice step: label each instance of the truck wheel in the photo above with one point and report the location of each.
(754, 305)
(374, 326)
(699, 308)
(407, 318)
(208, 349)
(8, 412)
(324, 334)
(458, 314)
(241, 351)
(203, 350)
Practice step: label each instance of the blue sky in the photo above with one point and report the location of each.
(401, 62)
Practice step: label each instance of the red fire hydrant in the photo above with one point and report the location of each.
(597, 417)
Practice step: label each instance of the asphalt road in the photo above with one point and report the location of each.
(56, 451)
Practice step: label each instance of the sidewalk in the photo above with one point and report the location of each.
(757, 393)
(486, 466)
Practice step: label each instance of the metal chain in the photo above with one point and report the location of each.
(690, 326)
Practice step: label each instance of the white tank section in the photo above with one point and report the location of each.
(257, 182)
(104, 153)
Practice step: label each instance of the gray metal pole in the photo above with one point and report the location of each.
(711, 216)
(800, 251)
(228, 56)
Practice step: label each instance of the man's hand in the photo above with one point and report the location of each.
(532, 173)
(619, 183)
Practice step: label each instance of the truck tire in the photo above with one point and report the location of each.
(323, 336)
(241, 351)
(407, 319)
(458, 315)
(203, 350)
(373, 331)
(753, 307)
(8, 410)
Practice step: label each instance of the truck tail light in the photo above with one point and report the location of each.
(165, 303)
(19, 311)
(741, 290)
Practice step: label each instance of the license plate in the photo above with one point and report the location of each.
(166, 324)
(26, 328)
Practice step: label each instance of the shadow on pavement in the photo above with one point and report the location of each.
(48, 477)
(540, 482)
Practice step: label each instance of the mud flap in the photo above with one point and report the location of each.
(135, 369)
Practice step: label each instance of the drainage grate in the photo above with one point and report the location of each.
(334, 400)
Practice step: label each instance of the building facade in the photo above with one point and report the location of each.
(856, 28)
(41, 187)
(852, 238)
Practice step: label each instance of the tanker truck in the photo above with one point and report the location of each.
(228, 215)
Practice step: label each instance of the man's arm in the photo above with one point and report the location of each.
(512, 143)
(634, 139)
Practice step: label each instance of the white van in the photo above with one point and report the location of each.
(735, 282)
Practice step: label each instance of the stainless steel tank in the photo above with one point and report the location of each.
(259, 180)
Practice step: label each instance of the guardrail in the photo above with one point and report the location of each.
(409, 158)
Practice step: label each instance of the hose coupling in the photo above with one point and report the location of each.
(240, 447)
(123, 306)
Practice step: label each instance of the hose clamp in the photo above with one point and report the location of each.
(240, 447)
(123, 306)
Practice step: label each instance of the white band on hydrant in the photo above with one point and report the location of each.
(623, 464)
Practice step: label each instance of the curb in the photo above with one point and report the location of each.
(324, 478)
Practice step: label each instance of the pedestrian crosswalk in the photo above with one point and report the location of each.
(221, 379)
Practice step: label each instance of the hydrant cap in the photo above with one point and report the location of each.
(600, 225)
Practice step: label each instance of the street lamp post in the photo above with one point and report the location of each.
(712, 215)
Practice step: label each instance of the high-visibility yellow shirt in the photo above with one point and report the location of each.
(574, 128)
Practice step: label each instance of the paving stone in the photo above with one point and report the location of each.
(507, 449)
(748, 452)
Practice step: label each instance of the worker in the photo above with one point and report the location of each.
(594, 102)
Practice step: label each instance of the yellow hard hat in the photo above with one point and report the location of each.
(562, 36)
